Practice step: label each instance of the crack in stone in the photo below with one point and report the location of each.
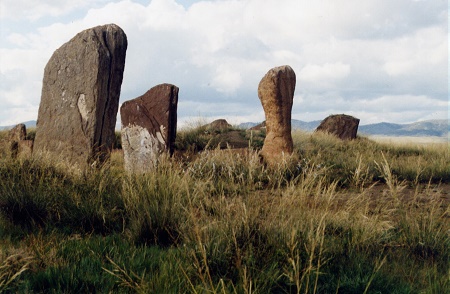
(108, 88)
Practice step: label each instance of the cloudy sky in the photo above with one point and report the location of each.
(379, 60)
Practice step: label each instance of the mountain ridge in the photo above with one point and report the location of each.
(437, 127)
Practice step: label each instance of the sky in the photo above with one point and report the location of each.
(378, 60)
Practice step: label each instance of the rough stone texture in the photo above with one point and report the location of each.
(276, 92)
(80, 97)
(218, 125)
(15, 136)
(18, 133)
(149, 125)
(343, 126)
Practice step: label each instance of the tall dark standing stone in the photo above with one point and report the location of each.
(80, 96)
(276, 92)
(149, 126)
(343, 126)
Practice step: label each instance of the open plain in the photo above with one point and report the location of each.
(357, 216)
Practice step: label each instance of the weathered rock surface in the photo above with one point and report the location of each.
(218, 125)
(15, 138)
(80, 96)
(18, 133)
(276, 92)
(149, 125)
(343, 126)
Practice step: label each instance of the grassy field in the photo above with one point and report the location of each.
(407, 140)
(335, 217)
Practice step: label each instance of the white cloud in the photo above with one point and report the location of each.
(425, 48)
(26, 112)
(349, 56)
(386, 108)
(226, 80)
(399, 103)
(325, 72)
(36, 9)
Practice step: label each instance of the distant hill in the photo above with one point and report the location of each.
(439, 128)
(306, 126)
(28, 124)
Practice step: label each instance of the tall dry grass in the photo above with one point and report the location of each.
(348, 217)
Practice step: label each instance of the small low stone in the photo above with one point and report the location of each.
(342, 126)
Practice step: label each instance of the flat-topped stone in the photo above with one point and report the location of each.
(80, 97)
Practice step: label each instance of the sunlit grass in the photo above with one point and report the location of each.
(338, 216)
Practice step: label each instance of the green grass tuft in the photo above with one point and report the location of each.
(335, 217)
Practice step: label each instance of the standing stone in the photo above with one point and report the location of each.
(343, 126)
(18, 133)
(80, 97)
(276, 92)
(16, 136)
(218, 125)
(149, 126)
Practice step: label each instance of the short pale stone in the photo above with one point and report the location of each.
(149, 127)
(147, 149)
(343, 126)
(80, 97)
(18, 133)
(276, 92)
